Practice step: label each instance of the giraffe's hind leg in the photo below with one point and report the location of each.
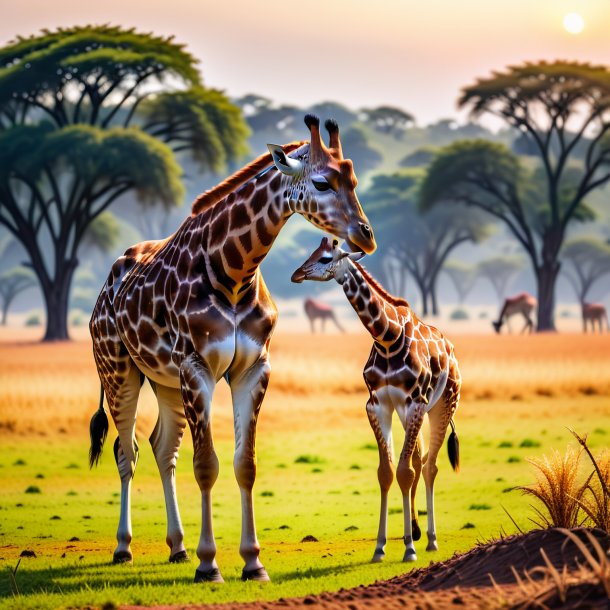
(439, 417)
(418, 453)
(121, 381)
(405, 473)
(165, 441)
(123, 405)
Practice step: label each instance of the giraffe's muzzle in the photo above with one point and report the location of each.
(298, 276)
(360, 238)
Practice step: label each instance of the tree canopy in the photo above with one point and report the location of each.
(88, 114)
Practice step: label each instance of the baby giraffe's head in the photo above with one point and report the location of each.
(327, 261)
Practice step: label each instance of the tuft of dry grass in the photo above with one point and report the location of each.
(596, 501)
(558, 489)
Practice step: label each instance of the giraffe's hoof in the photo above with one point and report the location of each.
(179, 557)
(432, 546)
(257, 574)
(122, 557)
(409, 556)
(211, 575)
(378, 557)
(415, 531)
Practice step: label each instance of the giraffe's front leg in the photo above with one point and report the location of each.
(248, 390)
(380, 418)
(197, 386)
(405, 473)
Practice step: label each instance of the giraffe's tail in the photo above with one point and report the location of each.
(453, 448)
(98, 430)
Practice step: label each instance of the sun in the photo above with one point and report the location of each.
(573, 23)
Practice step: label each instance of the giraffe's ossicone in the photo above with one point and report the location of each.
(191, 309)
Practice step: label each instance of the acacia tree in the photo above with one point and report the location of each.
(586, 259)
(421, 243)
(563, 110)
(13, 282)
(462, 276)
(500, 271)
(87, 115)
(489, 177)
(389, 120)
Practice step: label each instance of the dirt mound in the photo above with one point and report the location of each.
(512, 573)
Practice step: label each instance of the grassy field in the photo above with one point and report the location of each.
(520, 395)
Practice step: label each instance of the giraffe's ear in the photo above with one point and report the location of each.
(288, 166)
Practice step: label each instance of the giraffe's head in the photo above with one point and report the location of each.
(325, 263)
(321, 186)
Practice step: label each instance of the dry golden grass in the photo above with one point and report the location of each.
(558, 488)
(53, 389)
(595, 502)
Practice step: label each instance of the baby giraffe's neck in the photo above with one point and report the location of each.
(374, 307)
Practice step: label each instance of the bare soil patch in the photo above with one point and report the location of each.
(540, 569)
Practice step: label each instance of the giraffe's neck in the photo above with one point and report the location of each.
(237, 233)
(378, 315)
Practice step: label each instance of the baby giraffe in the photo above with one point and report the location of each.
(412, 370)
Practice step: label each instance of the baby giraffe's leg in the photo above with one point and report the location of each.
(405, 473)
(418, 453)
(439, 417)
(380, 418)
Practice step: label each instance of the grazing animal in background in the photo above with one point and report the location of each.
(317, 310)
(412, 369)
(594, 312)
(186, 311)
(523, 304)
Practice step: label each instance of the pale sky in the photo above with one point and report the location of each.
(415, 54)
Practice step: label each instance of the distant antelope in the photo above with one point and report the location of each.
(522, 303)
(594, 312)
(412, 369)
(317, 310)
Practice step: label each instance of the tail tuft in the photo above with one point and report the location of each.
(453, 448)
(98, 430)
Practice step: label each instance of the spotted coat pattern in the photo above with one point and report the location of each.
(411, 370)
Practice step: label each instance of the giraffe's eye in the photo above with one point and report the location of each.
(326, 259)
(321, 184)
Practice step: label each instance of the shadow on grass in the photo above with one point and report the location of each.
(100, 576)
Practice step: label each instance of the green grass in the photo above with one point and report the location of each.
(339, 507)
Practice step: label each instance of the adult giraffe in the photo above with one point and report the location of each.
(188, 310)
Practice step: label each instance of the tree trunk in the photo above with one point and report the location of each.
(56, 296)
(4, 312)
(433, 300)
(424, 300)
(546, 278)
